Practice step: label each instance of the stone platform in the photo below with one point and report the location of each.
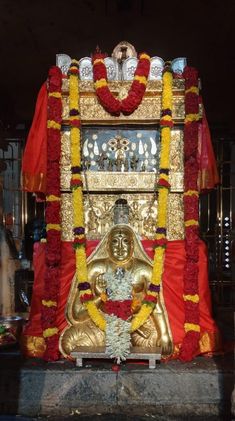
(33, 387)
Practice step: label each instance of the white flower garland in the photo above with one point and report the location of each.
(118, 338)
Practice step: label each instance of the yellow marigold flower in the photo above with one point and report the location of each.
(193, 90)
(140, 318)
(194, 298)
(56, 227)
(98, 60)
(50, 332)
(49, 303)
(95, 315)
(55, 94)
(144, 55)
(190, 222)
(100, 83)
(52, 198)
(191, 326)
(191, 117)
(51, 124)
(191, 193)
(103, 297)
(141, 79)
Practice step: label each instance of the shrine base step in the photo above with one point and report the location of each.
(33, 387)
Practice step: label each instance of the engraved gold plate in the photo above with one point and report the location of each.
(98, 209)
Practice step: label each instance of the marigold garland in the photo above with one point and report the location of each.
(53, 245)
(86, 295)
(151, 297)
(135, 95)
(191, 292)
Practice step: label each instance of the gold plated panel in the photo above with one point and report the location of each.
(66, 209)
(149, 111)
(65, 165)
(87, 86)
(128, 181)
(98, 210)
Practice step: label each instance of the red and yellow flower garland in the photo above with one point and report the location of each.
(53, 246)
(166, 123)
(86, 295)
(135, 95)
(191, 293)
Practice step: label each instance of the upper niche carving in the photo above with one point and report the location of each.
(122, 64)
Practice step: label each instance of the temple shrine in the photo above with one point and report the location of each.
(120, 151)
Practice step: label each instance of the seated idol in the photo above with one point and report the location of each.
(119, 249)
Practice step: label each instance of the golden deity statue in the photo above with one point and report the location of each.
(119, 248)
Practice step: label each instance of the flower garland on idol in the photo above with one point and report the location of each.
(166, 124)
(135, 95)
(85, 293)
(118, 312)
(191, 197)
(53, 245)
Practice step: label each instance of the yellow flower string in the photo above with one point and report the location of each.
(86, 295)
(151, 297)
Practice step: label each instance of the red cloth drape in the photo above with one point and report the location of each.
(172, 287)
(208, 174)
(34, 161)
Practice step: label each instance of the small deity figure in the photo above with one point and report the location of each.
(119, 163)
(126, 165)
(101, 161)
(110, 164)
(86, 164)
(143, 167)
(122, 57)
(119, 248)
(134, 162)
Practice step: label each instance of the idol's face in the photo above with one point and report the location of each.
(121, 245)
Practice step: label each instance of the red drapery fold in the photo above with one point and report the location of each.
(208, 173)
(34, 161)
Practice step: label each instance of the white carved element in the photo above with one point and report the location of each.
(85, 69)
(178, 65)
(156, 68)
(129, 68)
(112, 68)
(63, 61)
(127, 71)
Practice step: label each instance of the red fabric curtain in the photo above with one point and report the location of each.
(34, 163)
(208, 174)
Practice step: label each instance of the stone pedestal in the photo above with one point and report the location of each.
(33, 387)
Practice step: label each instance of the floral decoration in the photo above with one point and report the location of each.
(151, 297)
(85, 293)
(118, 311)
(53, 245)
(191, 293)
(135, 95)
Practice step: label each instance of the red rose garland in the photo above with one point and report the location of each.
(129, 104)
(191, 294)
(51, 280)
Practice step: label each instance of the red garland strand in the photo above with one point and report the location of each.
(135, 95)
(192, 315)
(53, 246)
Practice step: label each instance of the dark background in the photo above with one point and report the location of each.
(33, 31)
